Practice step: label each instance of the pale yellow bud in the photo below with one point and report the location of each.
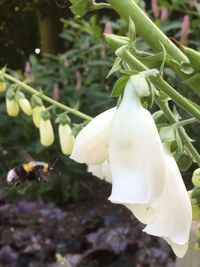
(12, 107)
(2, 86)
(25, 106)
(66, 138)
(46, 132)
(36, 115)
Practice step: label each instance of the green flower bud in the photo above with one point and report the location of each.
(2, 85)
(195, 207)
(196, 177)
(196, 247)
(116, 41)
(66, 138)
(197, 233)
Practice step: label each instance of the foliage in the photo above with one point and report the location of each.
(76, 78)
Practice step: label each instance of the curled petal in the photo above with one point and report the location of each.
(175, 216)
(135, 153)
(91, 144)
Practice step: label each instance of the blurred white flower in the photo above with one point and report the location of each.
(91, 144)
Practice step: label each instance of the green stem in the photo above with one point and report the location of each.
(180, 100)
(146, 28)
(183, 135)
(97, 6)
(46, 98)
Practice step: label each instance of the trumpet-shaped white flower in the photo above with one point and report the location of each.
(91, 145)
(123, 147)
(174, 218)
(136, 154)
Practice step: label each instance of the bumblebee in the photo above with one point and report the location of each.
(32, 171)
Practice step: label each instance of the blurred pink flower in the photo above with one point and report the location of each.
(78, 81)
(185, 29)
(27, 67)
(56, 91)
(30, 77)
(155, 8)
(108, 28)
(66, 63)
(164, 14)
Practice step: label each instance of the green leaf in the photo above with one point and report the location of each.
(119, 86)
(194, 81)
(187, 68)
(159, 117)
(81, 7)
(184, 161)
(184, 122)
(167, 134)
(132, 30)
(115, 67)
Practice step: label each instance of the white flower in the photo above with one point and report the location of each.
(174, 218)
(91, 144)
(136, 154)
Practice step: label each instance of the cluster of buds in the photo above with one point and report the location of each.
(16, 101)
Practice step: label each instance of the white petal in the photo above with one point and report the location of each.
(175, 215)
(91, 144)
(179, 249)
(135, 153)
(101, 171)
(143, 212)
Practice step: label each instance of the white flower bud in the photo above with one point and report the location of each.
(12, 107)
(46, 132)
(66, 138)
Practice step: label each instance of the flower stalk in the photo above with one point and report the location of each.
(31, 90)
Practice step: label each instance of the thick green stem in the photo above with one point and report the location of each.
(31, 90)
(180, 100)
(146, 28)
(183, 135)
